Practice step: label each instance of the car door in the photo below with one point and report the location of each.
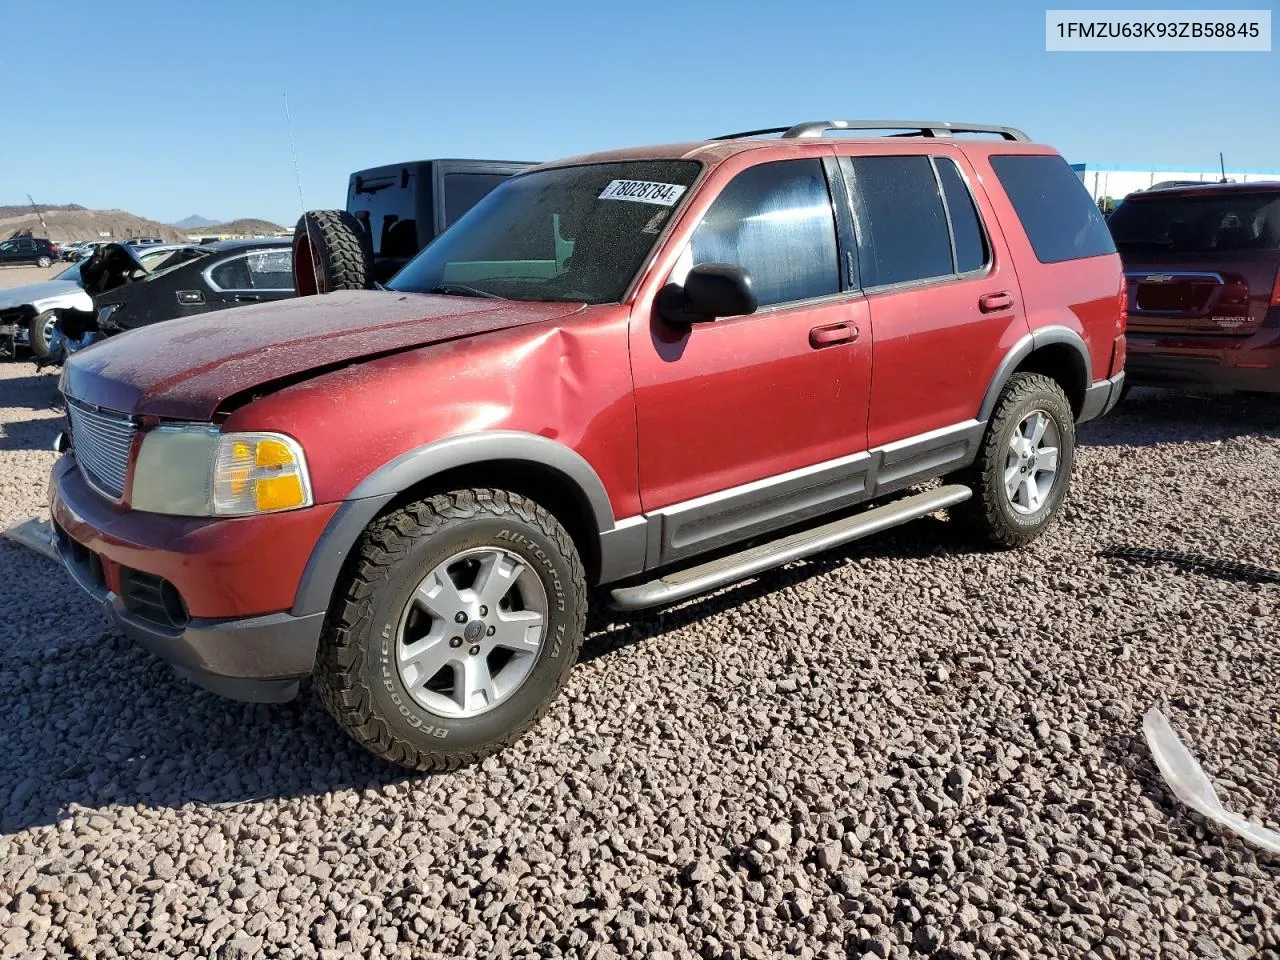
(753, 422)
(9, 251)
(253, 276)
(944, 300)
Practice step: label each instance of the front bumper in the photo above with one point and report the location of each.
(214, 566)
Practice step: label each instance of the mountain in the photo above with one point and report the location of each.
(194, 222)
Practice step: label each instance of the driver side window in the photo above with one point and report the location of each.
(774, 220)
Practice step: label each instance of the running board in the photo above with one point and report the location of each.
(681, 584)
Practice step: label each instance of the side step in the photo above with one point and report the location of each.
(681, 584)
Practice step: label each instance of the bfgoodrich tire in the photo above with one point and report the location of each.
(459, 621)
(331, 251)
(1022, 473)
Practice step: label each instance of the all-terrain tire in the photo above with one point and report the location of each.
(356, 673)
(991, 513)
(331, 251)
(38, 333)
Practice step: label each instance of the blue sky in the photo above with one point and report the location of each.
(176, 109)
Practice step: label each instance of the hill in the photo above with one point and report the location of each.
(247, 227)
(18, 209)
(74, 222)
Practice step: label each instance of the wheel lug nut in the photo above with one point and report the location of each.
(492, 631)
(474, 651)
(460, 617)
(484, 611)
(455, 642)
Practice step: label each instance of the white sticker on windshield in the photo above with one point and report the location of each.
(643, 191)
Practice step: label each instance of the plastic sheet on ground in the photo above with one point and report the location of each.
(1190, 784)
(33, 534)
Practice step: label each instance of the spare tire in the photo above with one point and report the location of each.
(331, 251)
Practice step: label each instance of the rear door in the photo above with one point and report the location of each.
(944, 298)
(1202, 262)
(254, 276)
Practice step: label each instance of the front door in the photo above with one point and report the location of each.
(753, 422)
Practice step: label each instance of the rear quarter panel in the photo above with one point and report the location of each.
(568, 380)
(1082, 295)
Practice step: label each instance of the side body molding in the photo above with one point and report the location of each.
(1033, 341)
(621, 545)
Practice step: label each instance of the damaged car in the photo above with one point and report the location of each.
(29, 313)
(193, 279)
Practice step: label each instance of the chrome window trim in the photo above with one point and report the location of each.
(207, 273)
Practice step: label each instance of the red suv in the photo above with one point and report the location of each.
(1203, 264)
(615, 369)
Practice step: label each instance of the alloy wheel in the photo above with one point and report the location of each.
(472, 631)
(1031, 464)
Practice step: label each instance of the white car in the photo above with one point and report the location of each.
(28, 313)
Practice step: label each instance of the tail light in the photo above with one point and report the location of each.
(1122, 322)
(1275, 291)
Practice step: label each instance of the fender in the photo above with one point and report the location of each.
(1033, 341)
(620, 543)
(77, 300)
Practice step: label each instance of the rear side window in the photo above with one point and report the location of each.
(1055, 209)
(1198, 224)
(775, 221)
(971, 242)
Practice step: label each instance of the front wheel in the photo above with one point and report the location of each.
(40, 332)
(458, 624)
(1023, 469)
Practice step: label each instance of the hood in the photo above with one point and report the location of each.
(184, 369)
(37, 295)
(110, 266)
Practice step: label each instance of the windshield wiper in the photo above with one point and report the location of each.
(462, 290)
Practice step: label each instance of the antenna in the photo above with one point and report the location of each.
(39, 215)
(1222, 165)
(293, 149)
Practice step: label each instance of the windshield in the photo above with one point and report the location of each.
(162, 261)
(1199, 224)
(574, 234)
(72, 273)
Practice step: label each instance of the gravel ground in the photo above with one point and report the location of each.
(17, 276)
(904, 749)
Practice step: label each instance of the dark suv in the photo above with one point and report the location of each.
(1203, 268)
(28, 250)
(649, 369)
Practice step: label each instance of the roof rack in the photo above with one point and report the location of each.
(913, 128)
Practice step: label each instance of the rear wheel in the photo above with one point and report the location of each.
(1023, 469)
(331, 251)
(458, 624)
(40, 332)
(43, 263)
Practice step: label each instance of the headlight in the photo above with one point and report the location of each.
(195, 471)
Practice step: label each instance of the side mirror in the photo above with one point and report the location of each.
(710, 290)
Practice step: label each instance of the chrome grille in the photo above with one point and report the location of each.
(101, 441)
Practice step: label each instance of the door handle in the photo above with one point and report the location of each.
(991, 302)
(246, 298)
(832, 334)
